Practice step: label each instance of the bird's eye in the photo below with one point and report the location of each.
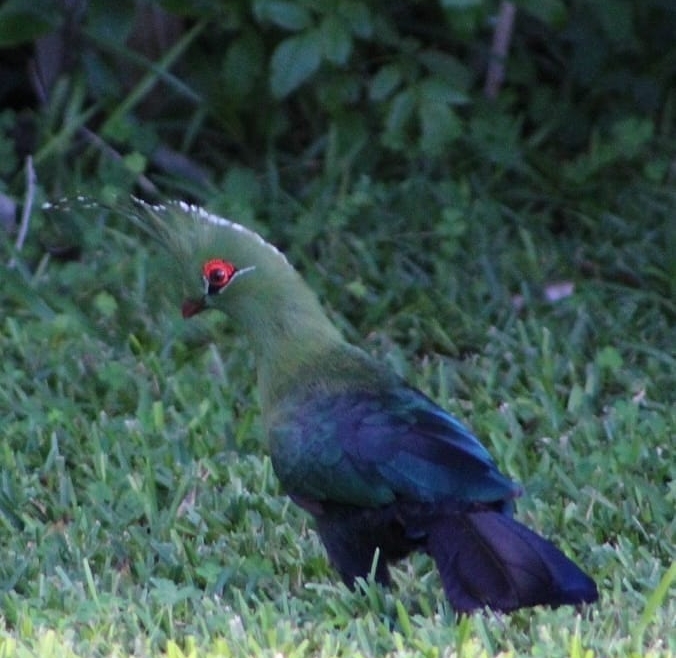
(216, 274)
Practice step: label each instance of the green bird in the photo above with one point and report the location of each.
(382, 469)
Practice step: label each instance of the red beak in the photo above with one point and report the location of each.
(192, 307)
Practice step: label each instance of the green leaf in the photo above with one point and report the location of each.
(552, 12)
(460, 4)
(108, 21)
(609, 358)
(630, 136)
(21, 23)
(241, 194)
(243, 64)
(135, 162)
(337, 40)
(400, 112)
(295, 59)
(358, 17)
(289, 15)
(438, 90)
(105, 304)
(357, 289)
(447, 68)
(575, 399)
(618, 24)
(439, 126)
(384, 82)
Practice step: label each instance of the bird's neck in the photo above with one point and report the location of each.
(290, 334)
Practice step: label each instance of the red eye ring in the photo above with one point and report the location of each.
(217, 273)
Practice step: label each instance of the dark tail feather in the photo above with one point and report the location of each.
(489, 559)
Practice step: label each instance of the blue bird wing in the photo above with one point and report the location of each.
(369, 449)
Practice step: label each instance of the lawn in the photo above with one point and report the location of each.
(527, 288)
(141, 513)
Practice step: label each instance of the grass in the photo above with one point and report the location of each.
(140, 514)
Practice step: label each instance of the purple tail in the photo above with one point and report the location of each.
(489, 559)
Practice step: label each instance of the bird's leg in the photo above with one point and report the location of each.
(352, 544)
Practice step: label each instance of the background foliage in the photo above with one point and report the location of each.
(512, 257)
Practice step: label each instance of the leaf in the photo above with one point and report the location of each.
(400, 112)
(439, 126)
(110, 21)
(618, 24)
(575, 399)
(445, 67)
(384, 82)
(289, 15)
(630, 136)
(105, 304)
(135, 162)
(460, 4)
(337, 41)
(243, 64)
(551, 12)
(295, 59)
(21, 23)
(608, 358)
(437, 90)
(358, 16)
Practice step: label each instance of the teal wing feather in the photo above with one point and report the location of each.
(368, 449)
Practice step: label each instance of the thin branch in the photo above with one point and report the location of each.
(27, 209)
(502, 37)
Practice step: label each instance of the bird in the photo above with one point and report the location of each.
(383, 469)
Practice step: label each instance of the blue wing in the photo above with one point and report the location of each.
(369, 449)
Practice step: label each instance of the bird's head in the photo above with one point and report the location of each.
(217, 263)
(225, 266)
(217, 276)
